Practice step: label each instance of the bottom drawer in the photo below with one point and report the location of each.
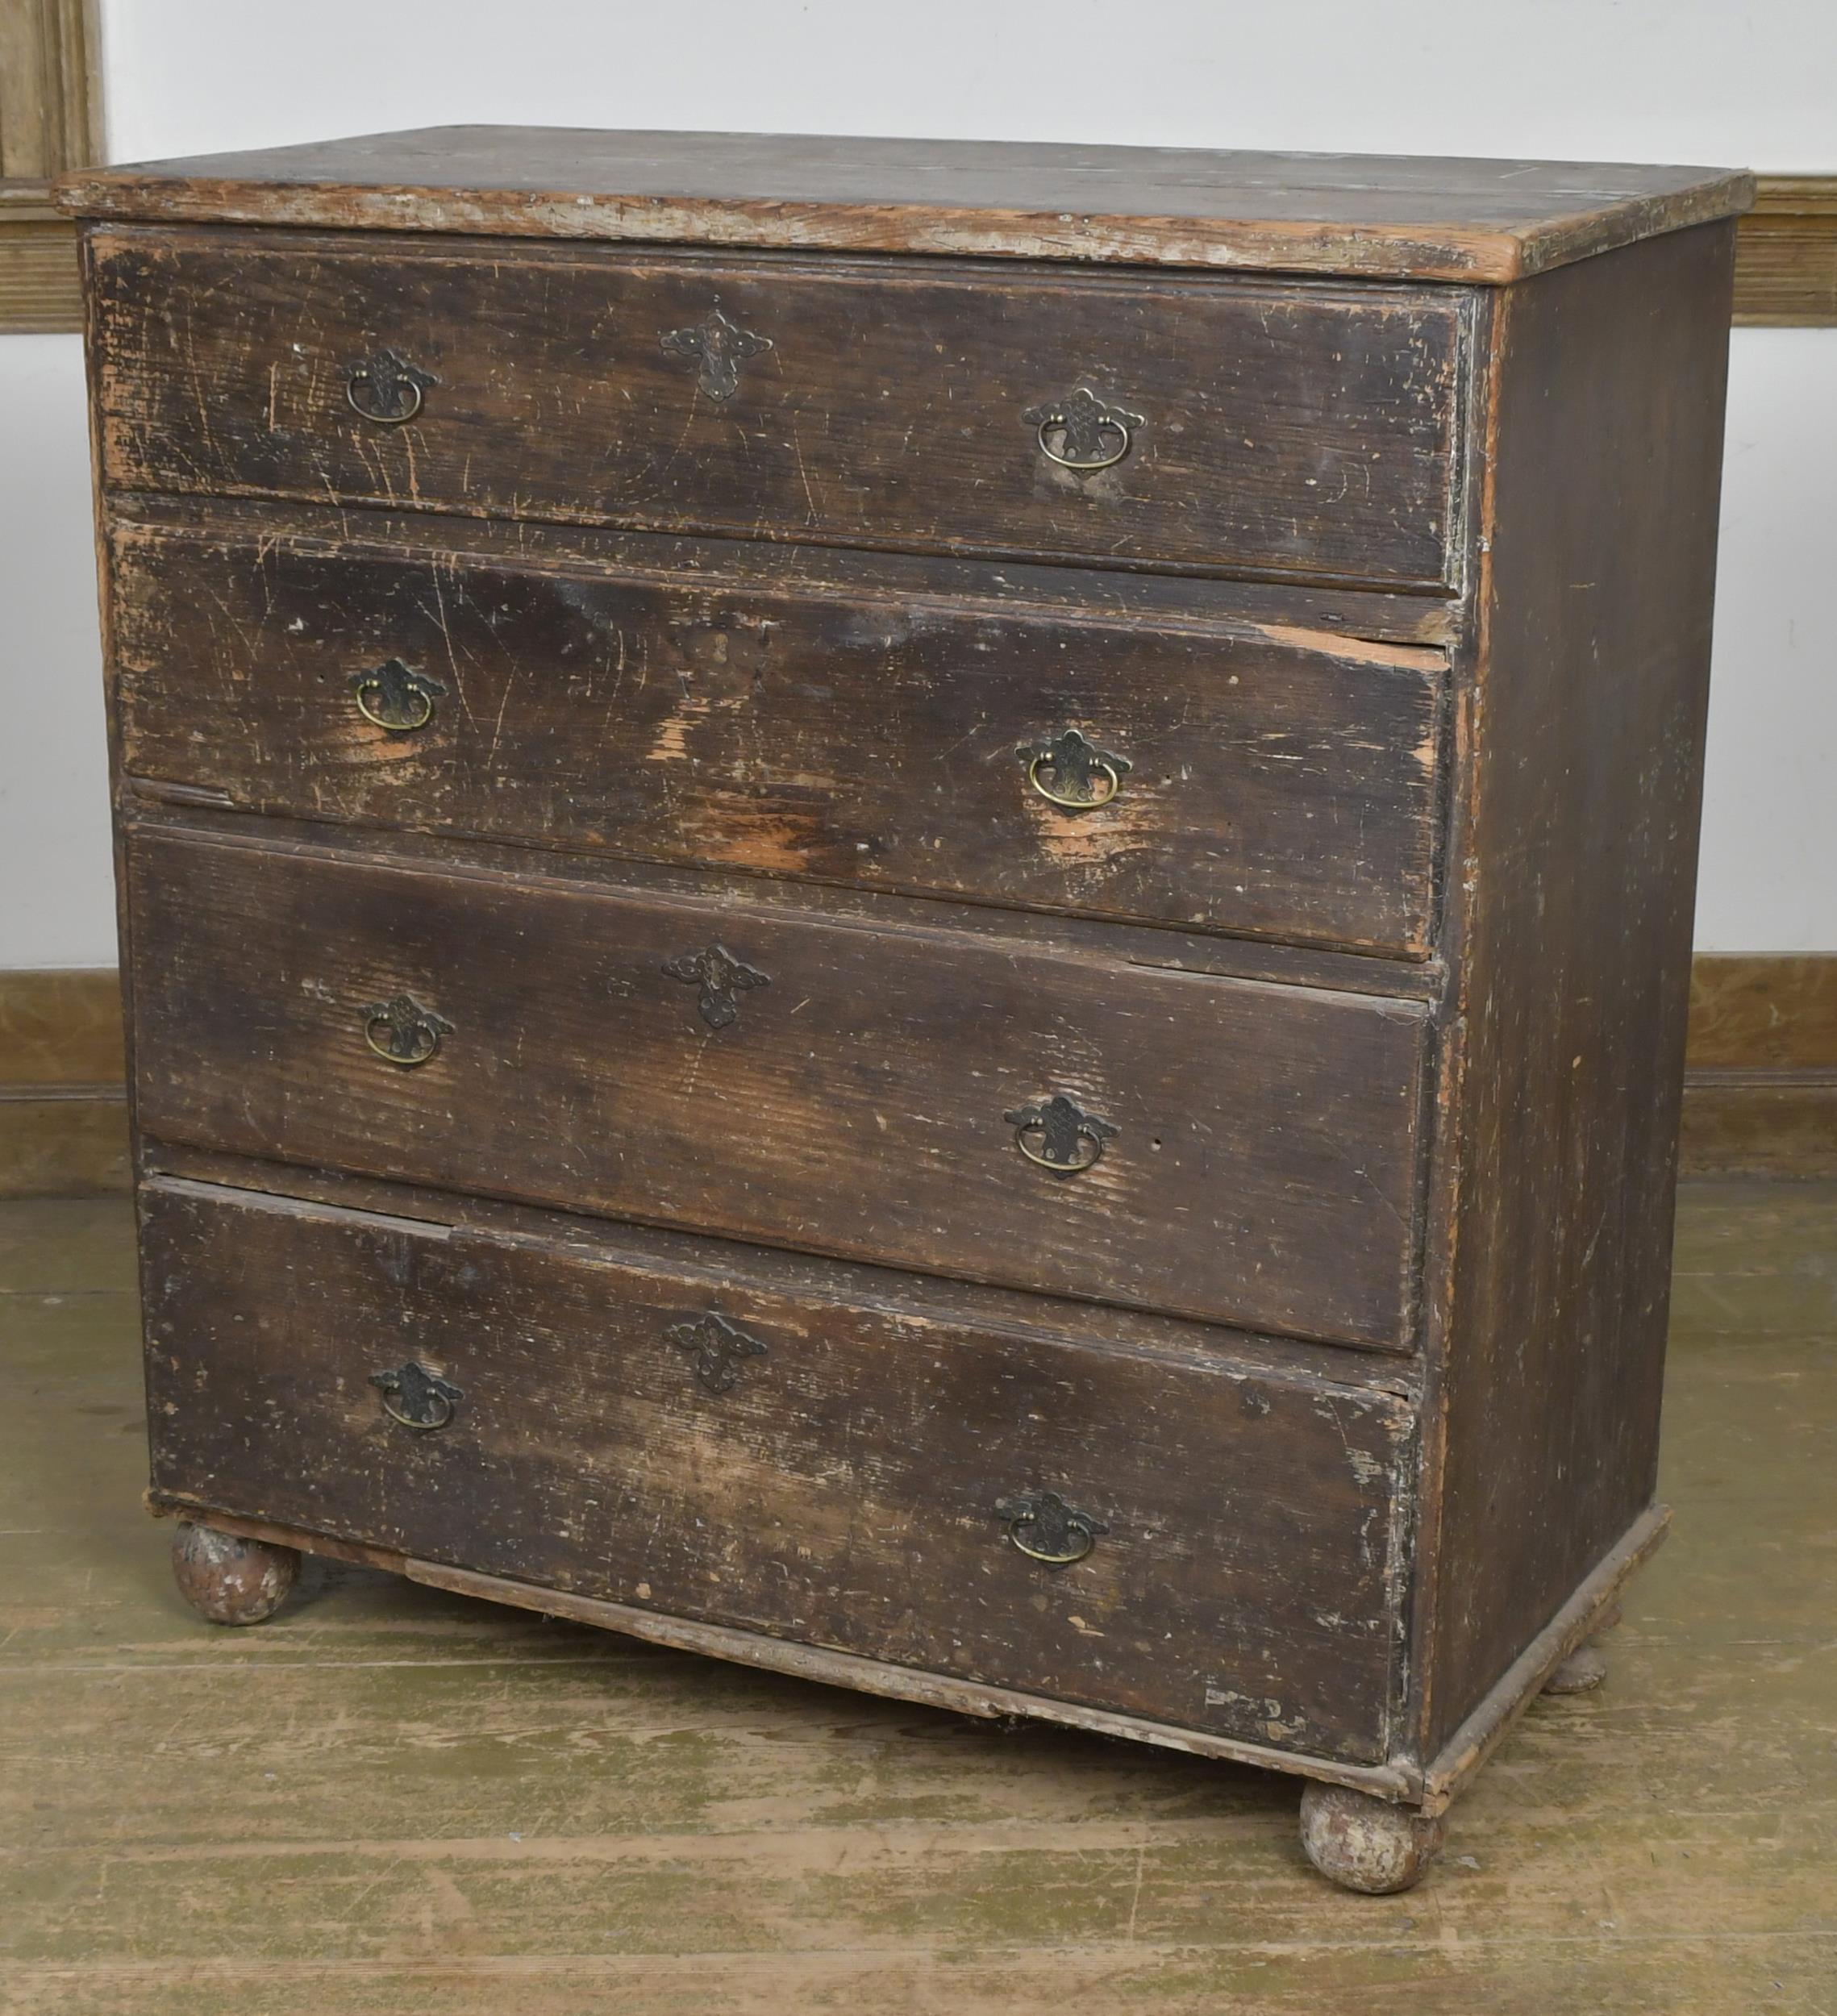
(780, 1445)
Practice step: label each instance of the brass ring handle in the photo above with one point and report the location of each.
(428, 1402)
(1075, 764)
(362, 376)
(1058, 1168)
(411, 1034)
(394, 696)
(1071, 1139)
(427, 1428)
(1092, 434)
(1111, 424)
(1045, 1528)
(393, 388)
(1100, 763)
(1081, 1544)
(416, 1046)
(423, 700)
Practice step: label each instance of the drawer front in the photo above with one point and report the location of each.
(710, 1444)
(1231, 425)
(1219, 776)
(928, 1099)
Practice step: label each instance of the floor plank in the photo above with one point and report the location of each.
(393, 1800)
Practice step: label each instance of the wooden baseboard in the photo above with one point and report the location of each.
(1785, 261)
(1760, 1071)
(63, 1101)
(1760, 1098)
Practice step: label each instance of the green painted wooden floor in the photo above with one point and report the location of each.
(390, 1800)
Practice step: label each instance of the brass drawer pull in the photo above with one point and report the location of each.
(427, 1402)
(396, 696)
(402, 1031)
(1070, 1139)
(385, 388)
(717, 1349)
(1045, 1528)
(1091, 434)
(1072, 774)
(720, 347)
(721, 977)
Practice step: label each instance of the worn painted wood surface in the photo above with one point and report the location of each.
(1276, 779)
(1372, 215)
(1575, 832)
(1278, 428)
(1468, 1151)
(858, 1101)
(705, 1442)
(391, 1799)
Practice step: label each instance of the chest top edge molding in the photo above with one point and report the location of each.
(1357, 216)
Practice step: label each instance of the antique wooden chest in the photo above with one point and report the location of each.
(921, 912)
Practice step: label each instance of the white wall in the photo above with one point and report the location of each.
(1709, 80)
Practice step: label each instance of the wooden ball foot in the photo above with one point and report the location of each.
(1367, 1844)
(229, 1580)
(1581, 1673)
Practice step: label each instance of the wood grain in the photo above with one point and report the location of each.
(1246, 1581)
(50, 120)
(63, 1105)
(1286, 428)
(1785, 264)
(1280, 782)
(856, 1105)
(1371, 215)
(1575, 836)
(472, 1806)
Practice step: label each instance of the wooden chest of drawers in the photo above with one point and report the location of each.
(921, 912)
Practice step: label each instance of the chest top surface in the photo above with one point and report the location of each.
(1384, 217)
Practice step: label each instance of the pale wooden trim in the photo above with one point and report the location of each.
(63, 1104)
(1760, 1073)
(50, 122)
(1785, 266)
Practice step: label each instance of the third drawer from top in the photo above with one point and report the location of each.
(961, 1103)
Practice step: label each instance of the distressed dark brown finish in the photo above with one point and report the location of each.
(1264, 1172)
(1246, 1582)
(1575, 836)
(1283, 783)
(1290, 428)
(1367, 215)
(1458, 541)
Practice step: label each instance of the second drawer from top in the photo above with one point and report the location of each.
(880, 729)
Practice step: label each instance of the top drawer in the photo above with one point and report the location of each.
(1273, 428)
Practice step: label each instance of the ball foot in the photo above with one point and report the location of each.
(1581, 1673)
(229, 1580)
(1367, 1844)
